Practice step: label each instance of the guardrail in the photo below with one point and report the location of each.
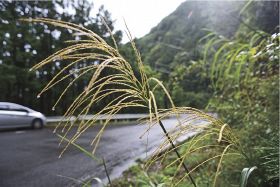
(116, 117)
(53, 119)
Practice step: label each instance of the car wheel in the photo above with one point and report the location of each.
(37, 124)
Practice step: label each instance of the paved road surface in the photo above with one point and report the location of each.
(29, 158)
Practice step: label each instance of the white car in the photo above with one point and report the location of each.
(14, 115)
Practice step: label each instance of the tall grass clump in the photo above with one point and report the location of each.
(113, 82)
(245, 76)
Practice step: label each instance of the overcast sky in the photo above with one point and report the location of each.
(140, 15)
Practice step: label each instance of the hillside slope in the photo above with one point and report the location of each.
(173, 52)
(175, 38)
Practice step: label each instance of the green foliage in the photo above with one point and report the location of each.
(259, 15)
(245, 75)
(21, 50)
(190, 85)
(172, 46)
(137, 176)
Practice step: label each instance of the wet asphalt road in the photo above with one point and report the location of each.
(29, 158)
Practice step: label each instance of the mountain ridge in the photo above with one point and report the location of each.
(178, 33)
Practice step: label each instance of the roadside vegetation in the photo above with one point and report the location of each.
(236, 76)
(245, 77)
(244, 74)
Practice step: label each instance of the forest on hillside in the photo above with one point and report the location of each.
(174, 49)
(26, 44)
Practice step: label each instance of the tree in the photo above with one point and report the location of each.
(21, 50)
